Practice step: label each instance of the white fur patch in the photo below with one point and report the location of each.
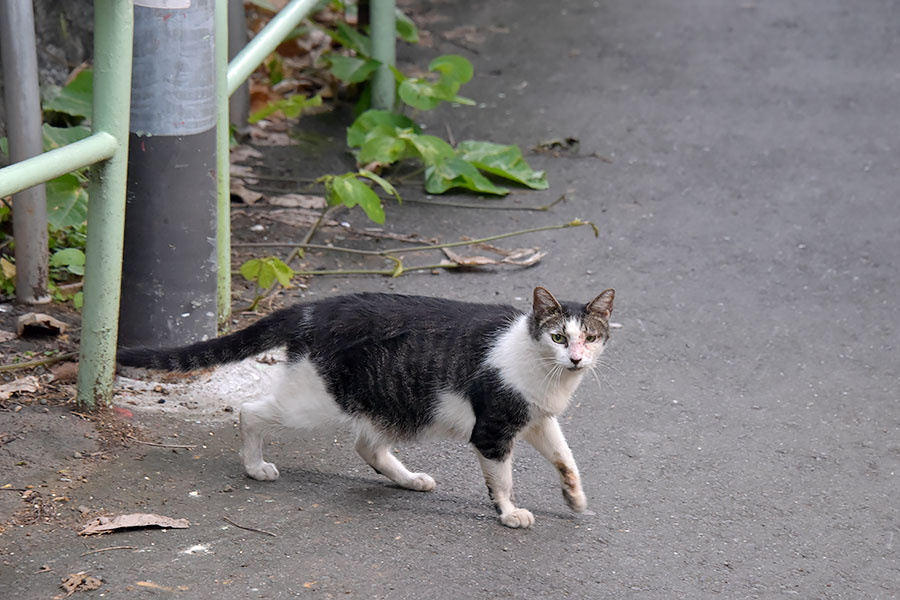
(454, 418)
(301, 400)
(535, 369)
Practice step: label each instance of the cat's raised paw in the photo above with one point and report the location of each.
(264, 471)
(518, 518)
(420, 482)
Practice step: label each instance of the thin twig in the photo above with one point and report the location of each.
(131, 437)
(256, 175)
(390, 272)
(37, 363)
(419, 248)
(491, 206)
(309, 234)
(6, 489)
(98, 550)
(239, 526)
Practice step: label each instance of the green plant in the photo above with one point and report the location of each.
(65, 121)
(264, 272)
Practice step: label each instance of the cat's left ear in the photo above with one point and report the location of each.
(602, 305)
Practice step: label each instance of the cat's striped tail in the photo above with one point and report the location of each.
(267, 333)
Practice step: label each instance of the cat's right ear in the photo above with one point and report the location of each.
(545, 305)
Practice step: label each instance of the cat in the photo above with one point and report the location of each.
(399, 368)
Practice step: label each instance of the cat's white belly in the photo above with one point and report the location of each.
(453, 419)
(303, 399)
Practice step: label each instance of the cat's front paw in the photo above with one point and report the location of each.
(577, 501)
(264, 471)
(420, 482)
(518, 518)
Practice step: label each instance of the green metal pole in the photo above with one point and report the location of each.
(383, 50)
(223, 165)
(265, 42)
(56, 162)
(113, 30)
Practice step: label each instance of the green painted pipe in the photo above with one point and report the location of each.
(56, 162)
(384, 51)
(265, 42)
(113, 31)
(223, 165)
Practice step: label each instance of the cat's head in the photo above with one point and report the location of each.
(572, 335)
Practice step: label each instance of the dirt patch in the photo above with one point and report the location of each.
(47, 450)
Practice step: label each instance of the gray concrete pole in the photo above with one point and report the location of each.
(24, 118)
(170, 268)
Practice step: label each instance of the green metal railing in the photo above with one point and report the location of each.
(106, 152)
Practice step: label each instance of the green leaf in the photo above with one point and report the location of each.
(348, 190)
(372, 119)
(276, 70)
(352, 69)
(382, 146)
(54, 137)
(4, 146)
(250, 269)
(296, 105)
(421, 94)
(67, 202)
(425, 93)
(266, 275)
(348, 37)
(406, 29)
(75, 98)
(283, 273)
(78, 300)
(502, 161)
(292, 107)
(382, 182)
(70, 258)
(453, 67)
(456, 173)
(431, 149)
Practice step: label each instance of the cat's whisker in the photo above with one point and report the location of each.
(597, 374)
(608, 365)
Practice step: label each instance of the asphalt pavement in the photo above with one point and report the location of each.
(741, 161)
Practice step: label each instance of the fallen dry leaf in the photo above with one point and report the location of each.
(469, 261)
(246, 195)
(298, 201)
(31, 324)
(65, 372)
(105, 524)
(522, 257)
(525, 260)
(163, 588)
(240, 154)
(28, 385)
(6, 336)
(79, 582)
(296, 217)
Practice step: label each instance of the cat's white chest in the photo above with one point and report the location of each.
(523, 368)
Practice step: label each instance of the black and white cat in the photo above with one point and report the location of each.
(399, 368)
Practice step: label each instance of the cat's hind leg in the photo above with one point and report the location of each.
(376, 451)
(257, 419)
(301, 402)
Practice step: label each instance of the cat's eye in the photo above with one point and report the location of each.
(590, 338)
(558, 338)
